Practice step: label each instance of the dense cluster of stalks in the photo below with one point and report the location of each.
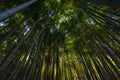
(60, 40)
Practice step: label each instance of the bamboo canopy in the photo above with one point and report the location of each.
(60, 40)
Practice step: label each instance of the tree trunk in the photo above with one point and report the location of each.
(8, 13)
(114, 4)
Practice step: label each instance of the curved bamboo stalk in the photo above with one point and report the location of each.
(12, 11)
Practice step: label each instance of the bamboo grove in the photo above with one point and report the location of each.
(59, 40)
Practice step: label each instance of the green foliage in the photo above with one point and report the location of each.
(60, 40)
